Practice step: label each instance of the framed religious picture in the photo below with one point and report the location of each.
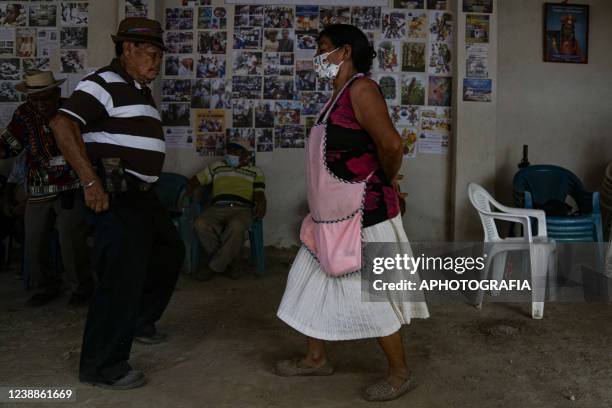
(566, 33)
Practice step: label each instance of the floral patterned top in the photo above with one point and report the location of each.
(351, 155)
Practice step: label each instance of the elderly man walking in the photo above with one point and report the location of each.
(110, 132)
(54, 197)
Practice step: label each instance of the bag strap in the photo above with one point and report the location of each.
(330, 106)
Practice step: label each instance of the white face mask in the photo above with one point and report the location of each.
(324, 68)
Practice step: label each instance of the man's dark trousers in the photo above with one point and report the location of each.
(137, 257)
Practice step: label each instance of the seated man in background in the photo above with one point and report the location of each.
(237, 197)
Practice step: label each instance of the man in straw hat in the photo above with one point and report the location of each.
(111, 133)
(52, 189)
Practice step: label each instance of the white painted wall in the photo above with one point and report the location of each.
(474, 142)
(562, 111)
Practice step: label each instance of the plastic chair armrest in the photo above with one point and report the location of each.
(539, 215)
(524, 220)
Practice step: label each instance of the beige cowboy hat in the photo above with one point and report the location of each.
(38, 81)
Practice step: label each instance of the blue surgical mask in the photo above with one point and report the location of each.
(232, 160)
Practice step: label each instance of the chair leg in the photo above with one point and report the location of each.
(194, 254)
(261, 267)
(257, 246)
(484, 273)
(552, 277)
(499, 269)
(252, 245)
(538, 255)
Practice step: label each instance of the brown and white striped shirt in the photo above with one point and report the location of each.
(118, 118)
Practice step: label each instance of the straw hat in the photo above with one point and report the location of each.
(38, 81)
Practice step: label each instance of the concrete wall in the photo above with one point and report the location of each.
(562, 111)
(474, 143)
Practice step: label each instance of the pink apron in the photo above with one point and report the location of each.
(332, 230)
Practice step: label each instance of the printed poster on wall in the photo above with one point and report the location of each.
(476, 28)
(478, 6)
(566, 33)
(477, 90)
(433, 143)
(209, 120)
(409, 142)
(7, 42)
(477, 61)
(179, 137)
(136, 8)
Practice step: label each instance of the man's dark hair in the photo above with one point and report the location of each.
(118, 48)
(345, 34)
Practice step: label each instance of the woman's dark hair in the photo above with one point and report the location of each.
(345, 34)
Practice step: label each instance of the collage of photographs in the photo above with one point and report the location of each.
(31, 34)
(477, 86)
(255, 62)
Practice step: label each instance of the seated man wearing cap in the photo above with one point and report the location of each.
(237, 197)
(52, 189)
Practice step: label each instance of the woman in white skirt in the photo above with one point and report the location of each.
(353, 158)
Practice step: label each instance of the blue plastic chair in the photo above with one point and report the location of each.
(541, 183)
(170, 188)
(255, 238)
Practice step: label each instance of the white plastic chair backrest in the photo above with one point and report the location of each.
(482, 200)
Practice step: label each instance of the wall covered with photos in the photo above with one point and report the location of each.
(245, 71)
(55, 35)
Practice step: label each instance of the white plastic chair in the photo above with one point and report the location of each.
(541, 248)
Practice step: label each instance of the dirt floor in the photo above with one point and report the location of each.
(225, 338)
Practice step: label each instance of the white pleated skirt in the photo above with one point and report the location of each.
(329, 308)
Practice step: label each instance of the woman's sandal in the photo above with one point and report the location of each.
(383, 391)
(292, 368)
